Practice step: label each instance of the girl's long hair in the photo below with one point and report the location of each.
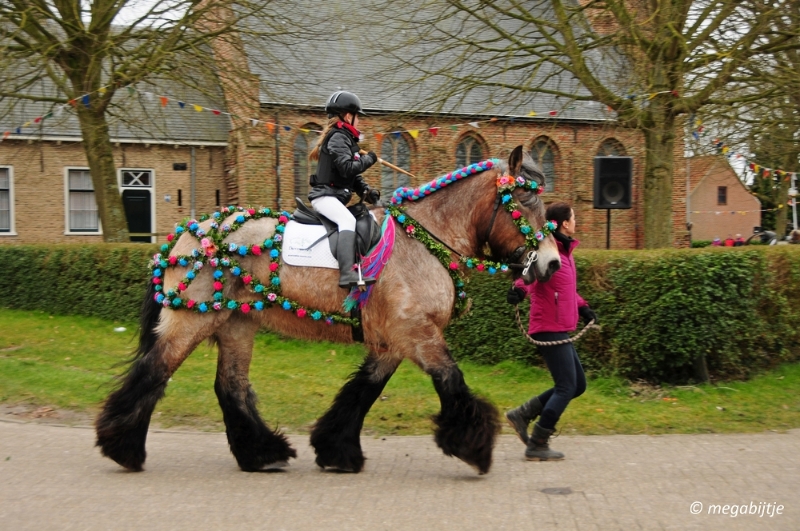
(314, 155)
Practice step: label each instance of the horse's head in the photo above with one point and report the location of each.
(509, 239)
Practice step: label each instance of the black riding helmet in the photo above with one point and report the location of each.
(342, 102)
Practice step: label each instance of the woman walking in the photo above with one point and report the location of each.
(555, 307)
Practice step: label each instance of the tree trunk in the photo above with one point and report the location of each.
(100, 155)
(658, 177)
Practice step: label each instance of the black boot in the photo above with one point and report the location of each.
(538, 447)
(521, 416)
(346, 251)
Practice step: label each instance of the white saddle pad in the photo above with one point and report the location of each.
(297, 250)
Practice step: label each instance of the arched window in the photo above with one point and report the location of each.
(542, 153)
(468, 151)
(395, 149)
(611, 148)
(304, 168)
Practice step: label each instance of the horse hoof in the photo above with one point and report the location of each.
(340, 469)
(276, 465)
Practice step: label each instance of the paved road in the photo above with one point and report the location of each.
(51, 478)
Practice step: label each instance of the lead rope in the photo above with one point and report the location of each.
(576, 337)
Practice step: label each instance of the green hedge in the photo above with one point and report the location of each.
(659, 309)
(100, 280)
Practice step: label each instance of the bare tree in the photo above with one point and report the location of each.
(650, 61)
(759, 116)
(57, 51)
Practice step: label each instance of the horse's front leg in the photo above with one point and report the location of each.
(252, 443)
(467, 425)
(336, 436)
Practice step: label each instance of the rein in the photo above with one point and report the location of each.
(576, 337)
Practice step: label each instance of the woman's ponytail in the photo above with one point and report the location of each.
(314, 155)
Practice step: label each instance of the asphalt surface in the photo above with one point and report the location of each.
(52, 478)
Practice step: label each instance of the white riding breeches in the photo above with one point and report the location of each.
(334, 210)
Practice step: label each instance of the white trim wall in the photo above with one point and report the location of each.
(12, 231)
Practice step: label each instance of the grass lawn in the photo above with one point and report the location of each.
(69, 363)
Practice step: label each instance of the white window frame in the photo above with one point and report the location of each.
(12, 228)
(152, 189)
(67, 228)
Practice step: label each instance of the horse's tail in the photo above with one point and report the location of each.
(151, 310)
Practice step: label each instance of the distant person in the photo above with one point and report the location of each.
(729, 241)
(739, 241)
(716, 242)
(794, 236)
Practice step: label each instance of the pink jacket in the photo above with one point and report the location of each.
(555, 303)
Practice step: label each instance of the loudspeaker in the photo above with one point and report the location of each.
(613, 177)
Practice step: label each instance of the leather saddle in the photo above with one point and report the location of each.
(368, 232)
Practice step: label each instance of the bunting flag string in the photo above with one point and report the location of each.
(734, 212)
(165, 100)
(698, 131)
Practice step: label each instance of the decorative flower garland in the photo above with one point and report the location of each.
(213, 252)
(505, 186)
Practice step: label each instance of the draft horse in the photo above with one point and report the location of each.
(404, 319)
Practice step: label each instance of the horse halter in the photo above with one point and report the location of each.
(505, 186)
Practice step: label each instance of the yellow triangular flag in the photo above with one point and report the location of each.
(198, 108)
(414, 133)
(532, 113)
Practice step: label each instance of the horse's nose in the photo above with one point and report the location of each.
(553, 266)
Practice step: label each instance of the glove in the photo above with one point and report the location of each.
(374, 157)
(515, 295)
(372, 196)
(587, 314)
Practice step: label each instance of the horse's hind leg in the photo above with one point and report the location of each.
(467, 425)
(252, 443)
(336, 436)
(123, 422)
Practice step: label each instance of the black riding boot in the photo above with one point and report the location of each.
(538, 447)
(346, 251)
(521, 416)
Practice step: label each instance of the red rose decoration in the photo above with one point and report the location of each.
(516, 214)
(173, 260)
(170, 237)
(301, 312)
(273, 266)
(217, 285)
(190, 303)
(246, 279)
(245, 307)
(283, 219)
(181, 286)
(256, 250)
(480, 267)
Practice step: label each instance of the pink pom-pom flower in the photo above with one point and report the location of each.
(172, 260)
(516, 214)
(245, 307)
(181, 286)
(301, 312)
(453, 265)
(256, 250)
(246, 279)
(273, 266)
(480, 267)
(170, 237)
(190, 303)
(283, 219)
(217, 285)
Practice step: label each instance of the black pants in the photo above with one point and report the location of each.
(567, 373)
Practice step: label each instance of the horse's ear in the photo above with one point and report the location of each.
(515, 161)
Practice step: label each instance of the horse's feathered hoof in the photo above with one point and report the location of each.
(275, 466)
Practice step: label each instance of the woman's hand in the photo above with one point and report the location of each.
(587, 314)
(515, 295)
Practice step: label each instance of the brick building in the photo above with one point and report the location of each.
(720, 205)
(258, 154)
(170, 161)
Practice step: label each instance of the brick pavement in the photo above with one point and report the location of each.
(51, 478)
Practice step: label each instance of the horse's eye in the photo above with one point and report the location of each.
(528, 197)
